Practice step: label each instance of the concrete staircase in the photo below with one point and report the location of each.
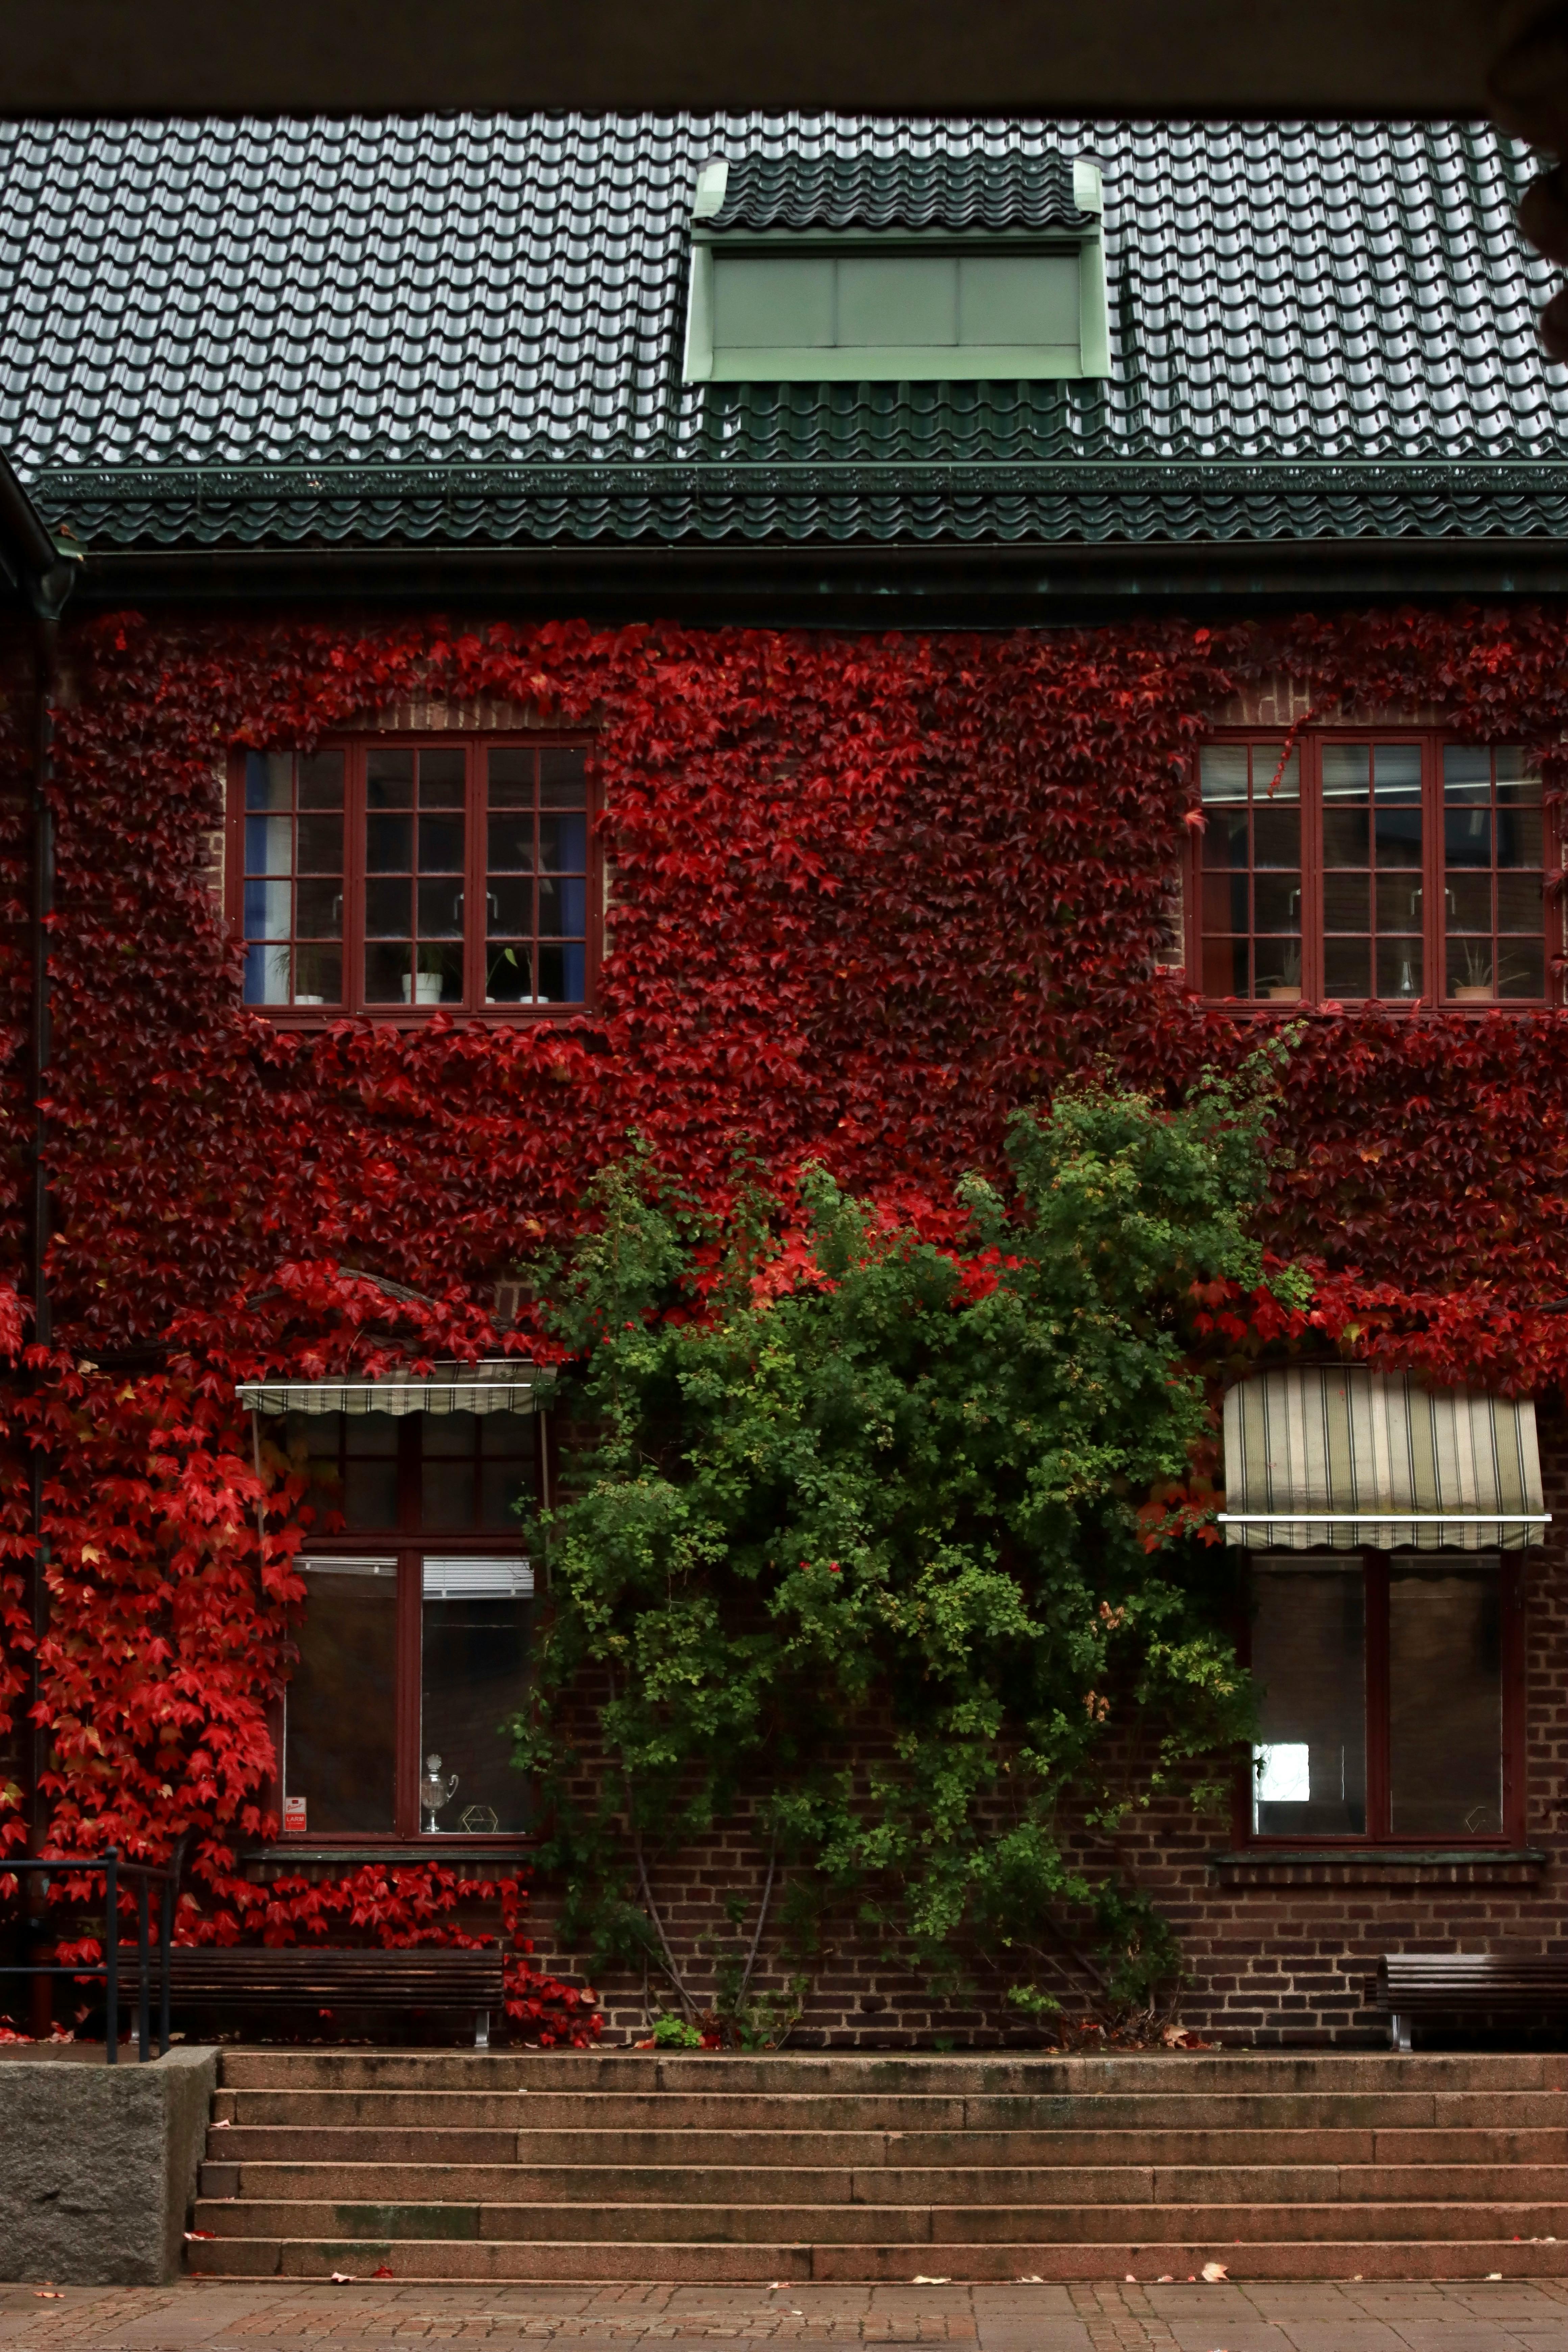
(442, 2164)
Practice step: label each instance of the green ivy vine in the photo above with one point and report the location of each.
(864, 1546)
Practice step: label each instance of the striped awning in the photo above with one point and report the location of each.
(504, 1385)
(1335, 1455)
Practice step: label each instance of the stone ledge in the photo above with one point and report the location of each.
(1385, 1866)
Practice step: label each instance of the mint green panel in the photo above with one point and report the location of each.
(910, 298)
(1024, 297)
(758, 301)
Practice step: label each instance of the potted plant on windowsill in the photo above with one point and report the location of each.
(1476, 986)
(422, 987)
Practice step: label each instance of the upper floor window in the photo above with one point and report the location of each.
(398, 877)
(1386, 868)
(804, 270)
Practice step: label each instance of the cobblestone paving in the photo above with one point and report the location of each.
(282, 2316)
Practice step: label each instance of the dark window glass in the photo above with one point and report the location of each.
(292, 894)
(474, 1672)
(1251, 899)
(1308, 1659)
(536, 876)
(1372, 910)
(1445, 1701)
(1494, 849)
(1406, 1655)
(340, 1707)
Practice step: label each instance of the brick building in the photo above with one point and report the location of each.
(318, 401)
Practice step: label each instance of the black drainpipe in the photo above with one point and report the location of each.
(44, 577)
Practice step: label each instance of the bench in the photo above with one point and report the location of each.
(427, 1975)
(1412, 1984)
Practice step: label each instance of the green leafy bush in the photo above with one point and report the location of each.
(864, 1546)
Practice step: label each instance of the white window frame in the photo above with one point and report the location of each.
(888, 363)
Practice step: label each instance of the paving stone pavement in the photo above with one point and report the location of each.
(285, 2316)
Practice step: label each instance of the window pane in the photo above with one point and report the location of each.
(1276, 836)
(1347, 903)
(1399, 898)
(441, 777)
(563, 973)
(1470, 971)
(474, 1681)
(1445, 1674)
(322, 780)
(1223, 769)
(339, 1709)
(269, 780)
(1400, 964)
(389, 779)
(1347, 968)
(563, 777)
(450, 1500)
(1309, 1661)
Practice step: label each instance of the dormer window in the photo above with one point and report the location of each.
(903, 269)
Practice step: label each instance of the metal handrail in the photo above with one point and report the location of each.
(114, 1869)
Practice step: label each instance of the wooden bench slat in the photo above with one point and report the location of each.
(1448, 1983)
(290, 1976)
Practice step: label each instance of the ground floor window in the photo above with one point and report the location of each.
(1390, 1702)
(412, 1655)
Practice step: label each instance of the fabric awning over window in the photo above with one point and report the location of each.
(505, 1385)
(1337, 1456)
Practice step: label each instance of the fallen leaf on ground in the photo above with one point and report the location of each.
(386, 2271)
(1166, 2278)
(1214, 2271)
(1494, 2274)
(50, 2294)
(201, 2233)
(1031, 2278)
(342, 2278)
(920, 2279)
(1131, 2278)
(221, 2125)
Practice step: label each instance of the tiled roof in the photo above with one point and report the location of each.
(1025, 189)
(470, 329)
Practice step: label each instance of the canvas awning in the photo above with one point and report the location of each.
(504, 1385)
(1337, 1456)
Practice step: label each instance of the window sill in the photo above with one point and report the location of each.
(410, 1016)
(1371, 1865)
(483, 1856)
(1321, 1009)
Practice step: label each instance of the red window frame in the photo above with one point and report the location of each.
(1441, 985)
(473, 880)
(407, 1543)
(1378, 1835)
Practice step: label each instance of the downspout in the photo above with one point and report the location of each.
(45, 576)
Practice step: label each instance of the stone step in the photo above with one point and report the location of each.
(1429, 2109)
(918, 2073)
(371, 2144)
(649, 2262)
(913, 2225)
(954, 2185)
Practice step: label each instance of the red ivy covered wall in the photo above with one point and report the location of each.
(869, 895)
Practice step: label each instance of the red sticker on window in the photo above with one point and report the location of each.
(293, 1812)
